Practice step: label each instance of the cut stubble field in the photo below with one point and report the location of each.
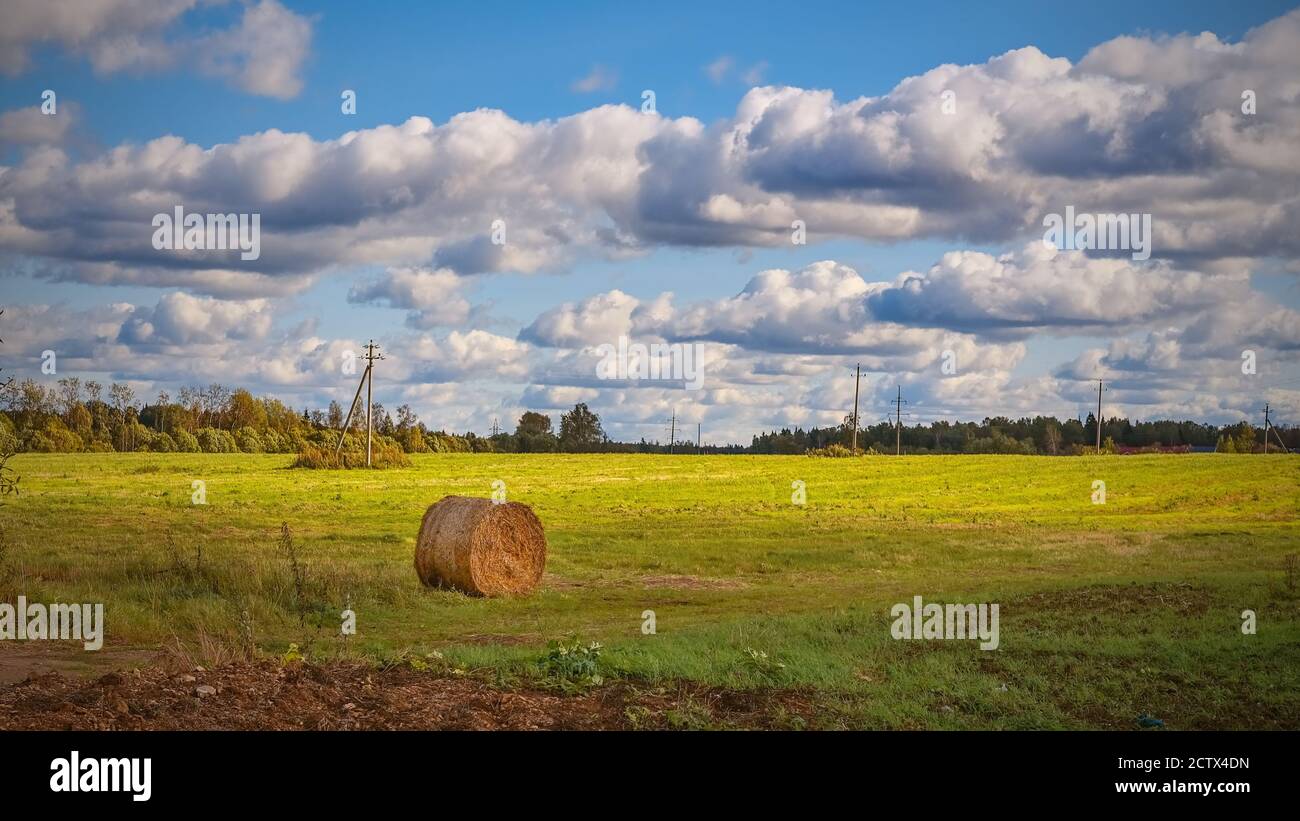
(1108, 611)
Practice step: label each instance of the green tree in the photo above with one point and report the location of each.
(580, 429)
(533, 423)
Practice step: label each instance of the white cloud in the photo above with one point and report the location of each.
(262, 54)
(433, 296)
(1030, 135)
(599, 78)
(719, 68)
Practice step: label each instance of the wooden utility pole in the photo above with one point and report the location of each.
(898, 423)
(351, 410)
(371, 356)
(367, 380)
(857, 380)
(1098, 417)
(1265, 428)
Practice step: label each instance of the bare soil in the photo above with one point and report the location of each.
(269, 695)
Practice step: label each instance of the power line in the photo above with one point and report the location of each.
(898, 422)
(857, 382)
(367, 382)
(1099, 416)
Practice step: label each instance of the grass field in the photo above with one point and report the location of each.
(1108, 611)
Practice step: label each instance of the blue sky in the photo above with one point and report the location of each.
(438, 60)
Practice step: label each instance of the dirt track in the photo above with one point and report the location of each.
(347, 696)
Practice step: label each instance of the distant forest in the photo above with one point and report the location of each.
(80, 416)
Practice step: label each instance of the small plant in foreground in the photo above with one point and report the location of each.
(573, 664)
(759, 662)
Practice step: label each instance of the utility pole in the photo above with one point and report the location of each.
(898, 423)
(367, 380)
(1098, 417)
(857, 381)
(371, 356)
(699, 427)
(496, 428)
(1265, 428)
(672, 433)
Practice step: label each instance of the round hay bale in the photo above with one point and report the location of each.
(480, 547)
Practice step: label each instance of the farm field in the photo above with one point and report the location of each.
(1107, 611)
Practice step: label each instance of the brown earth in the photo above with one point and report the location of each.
(269, 695)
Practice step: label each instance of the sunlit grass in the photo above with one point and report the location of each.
(1108, 610)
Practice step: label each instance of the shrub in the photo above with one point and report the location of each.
(186, 442)
(384, 454)
(274, 442)
(163, 443)
(249, 441)
(53, 438)
(447, 443)
(212, 440)
(838, 451)
(38, 442)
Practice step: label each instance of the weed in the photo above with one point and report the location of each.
(572, 665)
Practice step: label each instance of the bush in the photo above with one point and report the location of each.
(447, 443)
(186, 442)
(384, 454)
(273, 442)
(54, 438)
(249, 441)
(163, 443)
(838, 451)
(212, 440)
(39, 443)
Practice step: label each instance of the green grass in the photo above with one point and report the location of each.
(1107, 611)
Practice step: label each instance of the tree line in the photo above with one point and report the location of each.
(75, 416)
(1045, 435)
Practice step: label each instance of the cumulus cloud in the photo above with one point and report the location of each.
(31, 126)
(1148, 124)
(1041, 288)
(262, 54)
(1126, 130)
(182, 319)
(433, 297)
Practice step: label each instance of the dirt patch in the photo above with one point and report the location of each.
(353, 696)
(689, 583)
(1182, 598)
(500, 638)
(32, 658)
